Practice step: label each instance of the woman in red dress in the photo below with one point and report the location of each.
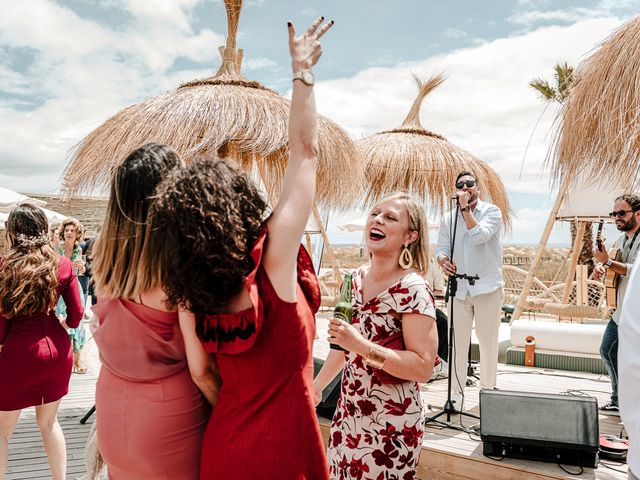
(149, 397)
(254, 293)
(35, 351)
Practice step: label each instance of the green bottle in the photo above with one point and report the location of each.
(344, 308)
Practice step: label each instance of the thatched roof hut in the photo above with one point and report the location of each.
(225, 115)
(600, 133)
(423, 162)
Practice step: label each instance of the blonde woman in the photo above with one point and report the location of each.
(390, 347)
(35, 351)
(70, 236)
(149, 395)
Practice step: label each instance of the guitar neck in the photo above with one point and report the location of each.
(599, 235)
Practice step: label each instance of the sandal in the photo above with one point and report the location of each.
(79, 369)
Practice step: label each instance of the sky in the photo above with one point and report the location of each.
(68, 65)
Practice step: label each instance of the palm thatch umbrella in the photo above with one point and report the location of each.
(600, 133)
(226, 115)
(423, 162)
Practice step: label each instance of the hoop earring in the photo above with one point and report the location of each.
(406, 259)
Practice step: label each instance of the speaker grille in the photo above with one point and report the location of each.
(539, 419)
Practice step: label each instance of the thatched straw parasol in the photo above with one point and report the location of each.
(600, 132)
(424, 163)
(227, 115)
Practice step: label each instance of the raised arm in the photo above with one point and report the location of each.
(289, 218)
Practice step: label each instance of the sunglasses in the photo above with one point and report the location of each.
(468, 183)
(620, 213)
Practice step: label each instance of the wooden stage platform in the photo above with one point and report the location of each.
(449, 454)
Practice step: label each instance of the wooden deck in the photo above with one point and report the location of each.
(449, 454)
(446, 454)
(27, 459)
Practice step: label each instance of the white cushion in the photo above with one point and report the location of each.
(564, 337)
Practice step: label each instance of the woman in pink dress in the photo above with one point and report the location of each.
(35, 351)
(254, 292)
(378, 424)
(149, 397)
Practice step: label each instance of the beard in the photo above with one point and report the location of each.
(626, 226)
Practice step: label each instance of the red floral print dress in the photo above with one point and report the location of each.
(376, 433)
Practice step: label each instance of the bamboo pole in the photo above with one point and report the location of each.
(575, 252)
(541, 246)
(307, 237)
(328, 249)
(564, 260)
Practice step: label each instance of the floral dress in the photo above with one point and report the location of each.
(376, 433)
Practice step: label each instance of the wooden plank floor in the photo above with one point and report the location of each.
(27, 459)
(446, 454)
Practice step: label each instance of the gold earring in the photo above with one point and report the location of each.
(406, 259)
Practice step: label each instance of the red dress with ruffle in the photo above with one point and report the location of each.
(264, 424)
(36, 358)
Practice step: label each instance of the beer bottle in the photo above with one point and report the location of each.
(344, 308)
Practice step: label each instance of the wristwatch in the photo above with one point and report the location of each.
(608, 263)
(466, 209)
(305, 76)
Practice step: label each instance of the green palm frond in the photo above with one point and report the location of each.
(544, 89)
(564, 79)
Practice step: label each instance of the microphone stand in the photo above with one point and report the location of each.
(452, 287)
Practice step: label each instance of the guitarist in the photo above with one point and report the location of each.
(626, 214)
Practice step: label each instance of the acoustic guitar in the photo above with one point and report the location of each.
(611, 278)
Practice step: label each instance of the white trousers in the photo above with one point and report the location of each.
(485, 309)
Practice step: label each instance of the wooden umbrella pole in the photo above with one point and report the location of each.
(307, 237)
(575, 252)
(328, 249)
(541, 246)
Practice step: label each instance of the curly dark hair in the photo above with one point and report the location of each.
(632, 200)
(204, 220)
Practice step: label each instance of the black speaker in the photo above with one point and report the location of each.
(330, 395)
(540, 426)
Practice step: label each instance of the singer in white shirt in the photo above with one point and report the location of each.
(477, 251)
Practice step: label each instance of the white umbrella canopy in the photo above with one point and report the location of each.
(9, 199)
(54, 217)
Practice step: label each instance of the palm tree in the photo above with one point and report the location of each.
(563, 78)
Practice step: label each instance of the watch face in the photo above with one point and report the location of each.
(307, 77)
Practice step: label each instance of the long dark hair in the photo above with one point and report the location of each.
(119, 268)
(28, 274)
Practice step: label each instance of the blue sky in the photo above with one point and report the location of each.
(67, 65)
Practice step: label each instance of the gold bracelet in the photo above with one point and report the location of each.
(377, 357)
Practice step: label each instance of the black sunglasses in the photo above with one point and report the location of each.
(468, 183)
(620, 213)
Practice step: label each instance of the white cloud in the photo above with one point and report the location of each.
(485, 106)
(531, 17)
(81, 73)
(256, 63)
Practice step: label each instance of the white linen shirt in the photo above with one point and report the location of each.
(629, 368)
(477, 251)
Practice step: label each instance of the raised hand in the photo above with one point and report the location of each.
(305, 50)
